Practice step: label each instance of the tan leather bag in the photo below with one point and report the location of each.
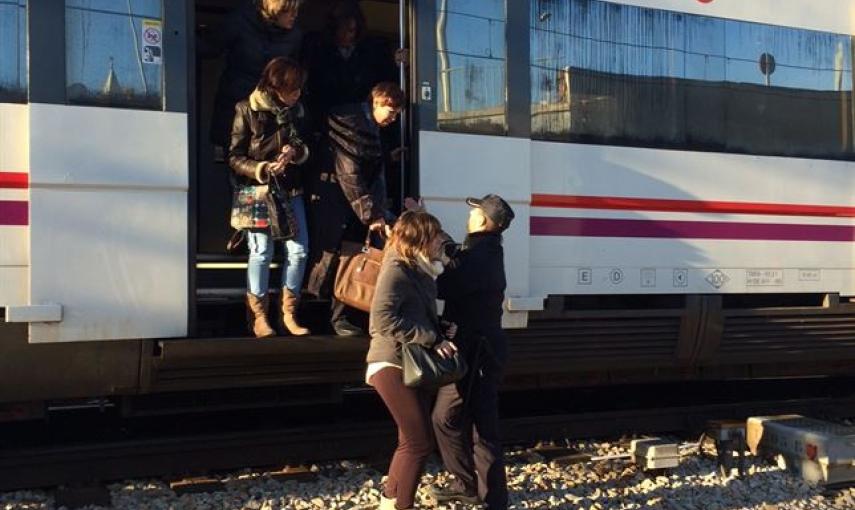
(356, 277)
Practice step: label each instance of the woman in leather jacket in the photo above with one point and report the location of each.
(266, 148)
(256, 32)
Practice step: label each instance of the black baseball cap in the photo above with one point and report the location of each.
(495, 208)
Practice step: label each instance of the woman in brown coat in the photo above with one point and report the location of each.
(403, 311)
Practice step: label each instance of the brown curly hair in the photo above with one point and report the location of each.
(412, 235)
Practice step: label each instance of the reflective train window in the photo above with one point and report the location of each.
(114, 53)
(13, 50)
(609, 73)
(471, 65)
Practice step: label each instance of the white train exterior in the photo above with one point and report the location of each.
(95, 210)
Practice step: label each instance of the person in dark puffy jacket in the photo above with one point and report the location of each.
(266, 148)
(349, 191)
(252, 35)
(403, 311)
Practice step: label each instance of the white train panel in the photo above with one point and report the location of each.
(112, 147)
(628, 220)
(612, 220)
(837, 16)
(109, 222)
(14, 204)
(453, 167)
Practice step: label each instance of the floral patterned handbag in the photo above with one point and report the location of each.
(261, 207)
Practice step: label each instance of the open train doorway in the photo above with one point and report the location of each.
(219, 275)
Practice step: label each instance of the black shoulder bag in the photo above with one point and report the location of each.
(423, 367)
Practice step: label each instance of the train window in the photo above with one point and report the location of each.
(610, 73)
(114, 54)
(471, 65)
(13, 50)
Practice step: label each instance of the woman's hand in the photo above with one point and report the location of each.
(402, 56)
(445, 349)
(398, 154)
(411, 204)
(285, 157)
(381, 227)
(450, 330)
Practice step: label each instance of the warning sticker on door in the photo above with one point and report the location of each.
(152, 41)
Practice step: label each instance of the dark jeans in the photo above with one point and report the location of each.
(467, 434)
(409, 408)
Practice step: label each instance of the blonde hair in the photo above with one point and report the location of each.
(412, 236)
(271, 8)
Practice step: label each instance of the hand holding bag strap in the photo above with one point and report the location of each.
(357, 273)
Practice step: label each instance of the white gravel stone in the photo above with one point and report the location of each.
(533, 484)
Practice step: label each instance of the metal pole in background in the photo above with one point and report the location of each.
(402, 81)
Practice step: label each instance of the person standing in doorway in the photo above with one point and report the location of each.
(256, 32)
(466, 414)
(349, 194)
(266, 148)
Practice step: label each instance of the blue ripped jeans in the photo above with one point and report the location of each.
(296, 255)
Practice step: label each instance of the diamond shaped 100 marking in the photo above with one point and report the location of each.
(717, 278)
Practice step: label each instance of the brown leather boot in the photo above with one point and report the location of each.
(256, 315)
(289, 315)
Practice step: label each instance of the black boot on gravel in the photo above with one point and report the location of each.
(453, 495)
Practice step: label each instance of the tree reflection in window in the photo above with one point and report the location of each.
(471, 65)
(610, 73)
(13, 50)
(107, 60)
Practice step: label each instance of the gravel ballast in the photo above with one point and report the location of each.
(533, 482)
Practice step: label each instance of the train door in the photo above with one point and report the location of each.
(218, 276)
(105, 171)
(473, 123)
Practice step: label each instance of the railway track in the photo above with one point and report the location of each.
(191, 446)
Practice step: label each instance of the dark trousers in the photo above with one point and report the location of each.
(410, 410)
(467, 434)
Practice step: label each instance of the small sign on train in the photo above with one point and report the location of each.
(152, 42)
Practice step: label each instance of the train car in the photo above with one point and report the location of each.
(681, 172)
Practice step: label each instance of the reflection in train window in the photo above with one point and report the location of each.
(13, 50)
(471, 66)
(114, 54)
(609, 73)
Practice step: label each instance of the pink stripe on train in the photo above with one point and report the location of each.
(668, 229)
(14, 213)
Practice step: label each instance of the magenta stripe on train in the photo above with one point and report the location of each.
(14, 213)
(667, 229)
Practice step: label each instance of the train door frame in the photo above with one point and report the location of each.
(192, 166)
(409, 25)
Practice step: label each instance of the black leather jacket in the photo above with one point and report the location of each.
(355, 157)
(257, 138)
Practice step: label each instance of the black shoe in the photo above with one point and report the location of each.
(344, 327)
(441, 496)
